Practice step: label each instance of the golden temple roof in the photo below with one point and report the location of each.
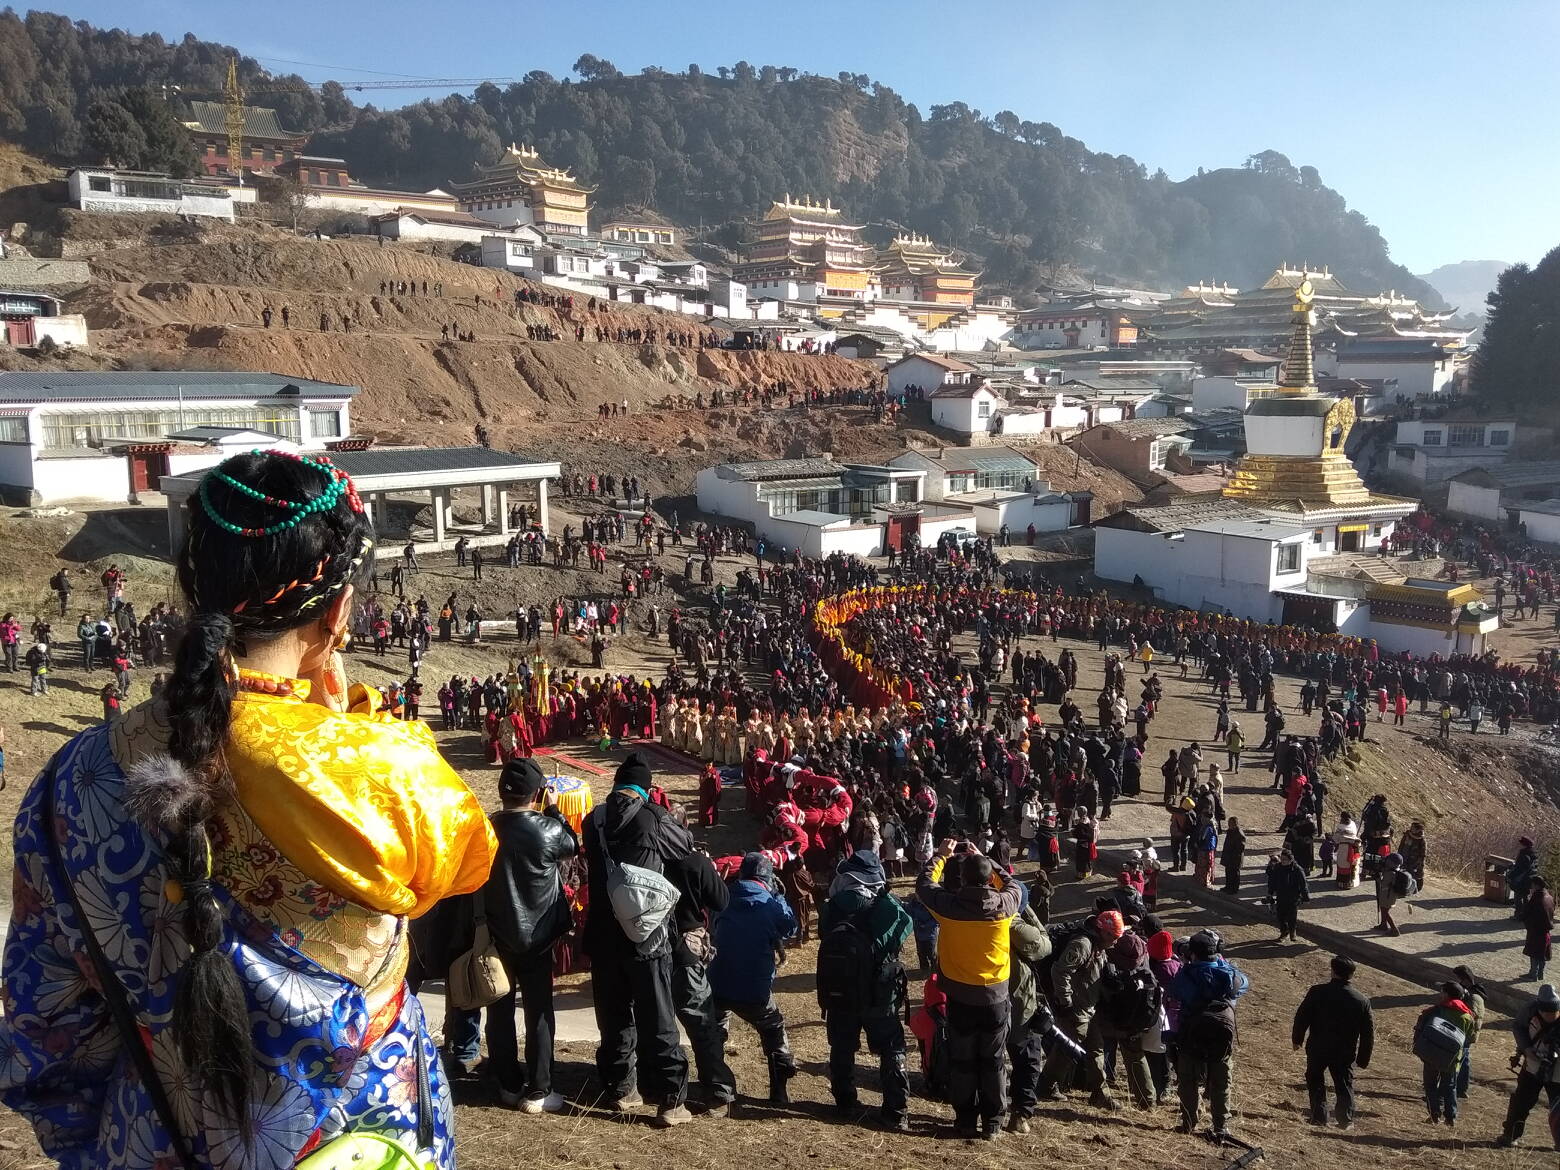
(803, 207)
(524, 163)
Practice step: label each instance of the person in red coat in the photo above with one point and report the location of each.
(1293, 795)
(709, 796)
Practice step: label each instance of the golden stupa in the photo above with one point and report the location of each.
(1295, 440)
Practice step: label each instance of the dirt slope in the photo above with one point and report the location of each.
(200, 302)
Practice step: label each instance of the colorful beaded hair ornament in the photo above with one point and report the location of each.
(337, 484)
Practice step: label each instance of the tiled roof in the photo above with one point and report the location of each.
(23, 386)
(767, 469)
(259, 122)
(952, 365)
(1512, 474)
(1150, 428)
(1113, 382)
(405, 461)
(1179, 517)
(966, 391)
(988, 459)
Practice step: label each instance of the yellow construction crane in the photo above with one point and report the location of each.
(233, 99)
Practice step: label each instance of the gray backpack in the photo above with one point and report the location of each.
(641, 898)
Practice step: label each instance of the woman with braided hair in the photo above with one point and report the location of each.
(207, 955)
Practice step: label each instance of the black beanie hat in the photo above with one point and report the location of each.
(757, 867)
(521, 779)
(633, 771)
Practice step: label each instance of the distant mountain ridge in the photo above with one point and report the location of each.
(1025, 199)
(1466, 284)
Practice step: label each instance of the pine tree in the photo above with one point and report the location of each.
(1518, 362)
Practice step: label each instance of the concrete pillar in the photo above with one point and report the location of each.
(178, 529)
(487, 505)
(440, 502)
(541, 507)
(503, 511)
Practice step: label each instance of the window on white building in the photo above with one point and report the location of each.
(66, 430)
(1289, 558)
(1500, 438)
(13, 430)
(1431, 438)
(1465, 435)
(325, 424)
(983, 410)
(100, 183)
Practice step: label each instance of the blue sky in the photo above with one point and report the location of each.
(1434, 119)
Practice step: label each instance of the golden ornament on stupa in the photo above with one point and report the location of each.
(1296, 439)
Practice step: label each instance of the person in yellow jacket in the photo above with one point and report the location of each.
(1234, 744)
(974, 910)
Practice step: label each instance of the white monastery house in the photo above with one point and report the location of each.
(108, 435)
(820, 506)
(113, 190)
(1296, 537)
(1432, 450)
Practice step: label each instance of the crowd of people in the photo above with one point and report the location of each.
(881, 723)
(881, 748)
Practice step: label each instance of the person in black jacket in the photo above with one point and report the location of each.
(631, 982)
(1334, 1024)
(1286, 889)
(527, 912)
(703, 895)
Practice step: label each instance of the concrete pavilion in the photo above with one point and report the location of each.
(501, 479)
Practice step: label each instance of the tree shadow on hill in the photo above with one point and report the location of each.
(119, 532)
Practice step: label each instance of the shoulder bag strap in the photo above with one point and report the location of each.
(598, 821)
(113, 990)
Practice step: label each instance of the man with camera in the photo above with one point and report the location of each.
(527, 912)
(974, 959)
(1537, 1029)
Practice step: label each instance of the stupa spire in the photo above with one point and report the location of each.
(1299, 365)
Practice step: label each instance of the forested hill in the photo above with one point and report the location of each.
(706, 148)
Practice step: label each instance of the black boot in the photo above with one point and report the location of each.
(782, 1067)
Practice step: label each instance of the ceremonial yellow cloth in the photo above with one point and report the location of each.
(360, 802)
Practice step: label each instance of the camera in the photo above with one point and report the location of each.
(1053, 1038)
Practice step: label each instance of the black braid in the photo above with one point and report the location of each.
(230, 579)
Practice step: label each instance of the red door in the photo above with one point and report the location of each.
(901, 528)
(147, 469)
(20, 332)
(140, 481)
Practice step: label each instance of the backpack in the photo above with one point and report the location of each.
(1438, 1042)
(641, 899)
(1060, 934)
(1209, 1033)
(1132, 1001)
(847, 976)
(1403, 884)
